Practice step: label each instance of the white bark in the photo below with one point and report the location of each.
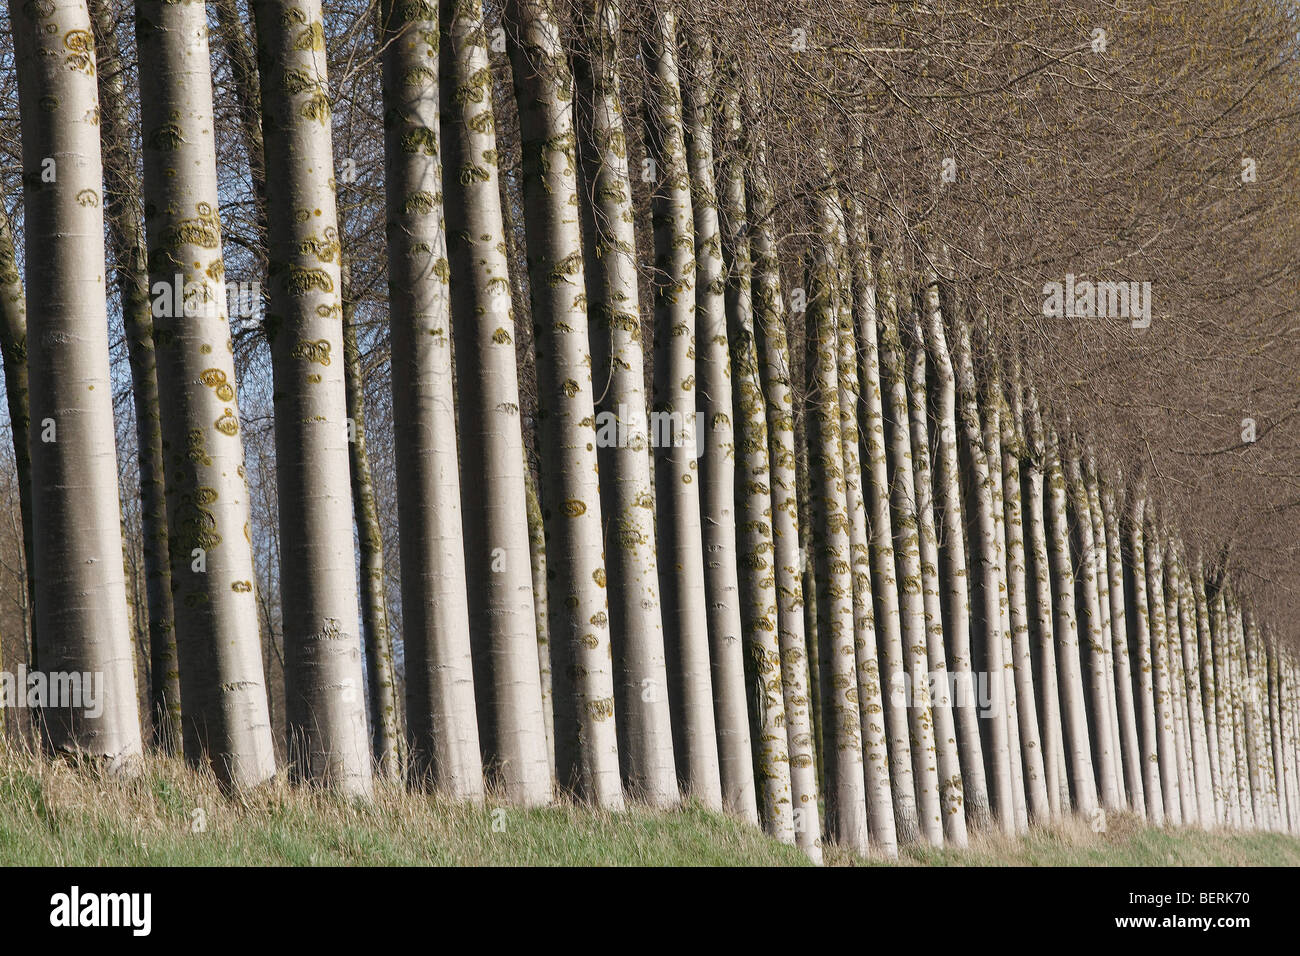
(953, 574)
(718, 458)
(586, 741)
(81, 610)
(501, 610)
(1075, 720)
(441, 722)
(677, 490)
(627, 488)
(1054, 767)
(895, 557)
(849, 677)
(223, 688)
(1130, 749)
(774, 357)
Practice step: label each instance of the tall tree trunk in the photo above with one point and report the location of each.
(897, 561)
(1205, 655)
(1254, 720)
(381, 680)
(1169, 783)
(1054, 768)
(325, 710)
(1012, 444)
(940, 688)
(441, 725)
(1124, 700)
(627, 490)
(677, 491)
(123, 209)
(13, 348)
(848, 687)
(1178, 688)
(1245, 799)
(754, 496)
(1101, 565)
(1141, 641)
(947, 484)
(1084, 784)
(717, 464)
(224, 694)
(502, 615)
(984, 553)
(992, 424)
(81, 612)
(537, 555)
(586, 739)
(1098, 636)
(787, 557)
(1187, 612)
(1220, 634)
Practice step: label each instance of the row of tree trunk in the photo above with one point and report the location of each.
(989, 626)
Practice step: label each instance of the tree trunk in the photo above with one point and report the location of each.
(441, 725)
(1187, 612)
(502, 615)
(717, 463)
(1124, 701)
(754, 497)
(1098, 638)
(847, 679)
(984, 553)
(1220, 634)
(940, 688)
(1178, 687)
(1255, 748)
(627, 490)
(677, 491)
(947, 484)
(1054, 769)
(325, 710)
(992, 426)
(1142, 643)
(537, 555)
(586, 739)
(1245, 800)
(1012, 443)
(224, 693)
(81, 611)
(1169, 783)
(787, 557)
(896, 558)
(385, 721)
(13, 348)
(1084, 784)
(123, 209)
(1104, 606)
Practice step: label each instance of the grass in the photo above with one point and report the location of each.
(55, 814)
(1128, 841)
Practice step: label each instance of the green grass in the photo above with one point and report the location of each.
(55, 814)
(52, 814)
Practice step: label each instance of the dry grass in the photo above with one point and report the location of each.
(1128, 841)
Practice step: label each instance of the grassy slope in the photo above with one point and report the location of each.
(53, 814)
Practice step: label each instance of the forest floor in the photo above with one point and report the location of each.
(55, 814)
